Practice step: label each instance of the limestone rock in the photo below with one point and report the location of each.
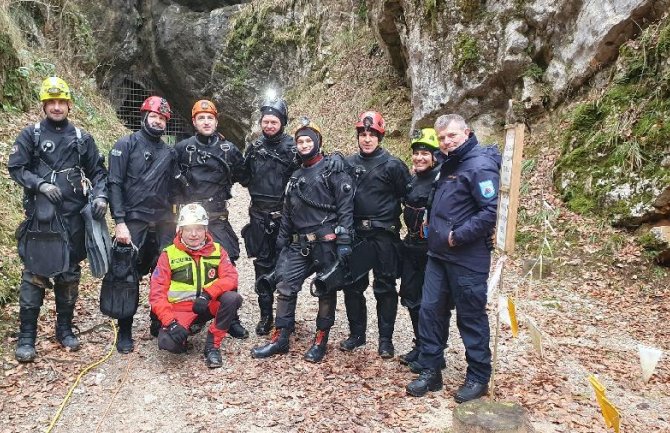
(569, 40)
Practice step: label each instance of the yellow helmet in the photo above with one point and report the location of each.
(425, 138)
(306, 123)
(55, 88)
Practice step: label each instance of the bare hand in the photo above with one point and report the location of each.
(451, 239)
(122, 233)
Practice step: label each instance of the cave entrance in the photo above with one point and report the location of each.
(129, 97)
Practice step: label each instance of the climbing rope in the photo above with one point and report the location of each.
(76, 382)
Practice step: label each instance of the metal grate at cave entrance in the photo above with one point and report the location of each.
(128, 98)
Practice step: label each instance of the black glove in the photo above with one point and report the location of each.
(178, 333)
(343, 242)
(52, 192)
(336, 163)
(99, 208)
(201, 303)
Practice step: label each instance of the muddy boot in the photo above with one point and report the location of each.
(412, 355)
(279, 343)
(124, 339)
(64, 334)
(387, 309)
(428, 380)
(212, 354)
(318, 349)
(236, 330)
(386, 349)
(25, 345)
(357, 314)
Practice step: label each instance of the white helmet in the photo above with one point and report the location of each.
(192, 214)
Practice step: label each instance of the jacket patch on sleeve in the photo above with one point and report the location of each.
(487, 188)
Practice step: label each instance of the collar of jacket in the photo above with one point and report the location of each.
(207, 140)
(378, 151)
(55, 126)
(460, 152)
(204, 251)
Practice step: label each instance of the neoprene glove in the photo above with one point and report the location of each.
(335, 163)
(201, 303)
(99, 208)
(52, 192)
(178, 333)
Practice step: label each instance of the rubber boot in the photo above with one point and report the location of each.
(266, 321)
(124, 339)
(319, 347)
(428, 380)
(357, 314)
(25, 345)
(387, 309)
(64, 334)
(212, 354)
(236, 330)
(279, 343)
(66, 294)
(412, 355)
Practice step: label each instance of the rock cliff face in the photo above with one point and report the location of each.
(467, 56)
(471, 56)
(230, 51)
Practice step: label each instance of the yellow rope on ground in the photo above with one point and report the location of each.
(111, 400)
(76, 382)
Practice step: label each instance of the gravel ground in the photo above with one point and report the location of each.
(151, 390)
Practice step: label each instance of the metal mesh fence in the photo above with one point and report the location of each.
(129, 97)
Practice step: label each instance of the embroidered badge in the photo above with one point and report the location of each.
(15, 149)
(211, 273)
(116, 152)
(487, 189)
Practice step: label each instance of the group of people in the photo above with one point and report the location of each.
(310, 213)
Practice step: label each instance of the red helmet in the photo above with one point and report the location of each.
(158, 105)
(371, 120)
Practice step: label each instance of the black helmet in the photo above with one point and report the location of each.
(277, 107)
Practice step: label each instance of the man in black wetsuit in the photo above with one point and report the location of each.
(209, 165)
(58, 165)
(380, 182)
(268, 164)
(141, 171)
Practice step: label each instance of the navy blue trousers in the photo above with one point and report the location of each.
(448, 286)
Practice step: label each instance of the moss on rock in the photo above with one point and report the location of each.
(15, 86)
(613, 144)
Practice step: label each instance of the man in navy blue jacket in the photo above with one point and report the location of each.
(462, 215)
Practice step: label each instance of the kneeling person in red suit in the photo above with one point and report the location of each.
(194, 282)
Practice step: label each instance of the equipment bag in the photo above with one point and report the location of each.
(43, 240)
(120, 290)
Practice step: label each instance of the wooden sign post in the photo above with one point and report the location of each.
(508, 204)
(508, 195)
